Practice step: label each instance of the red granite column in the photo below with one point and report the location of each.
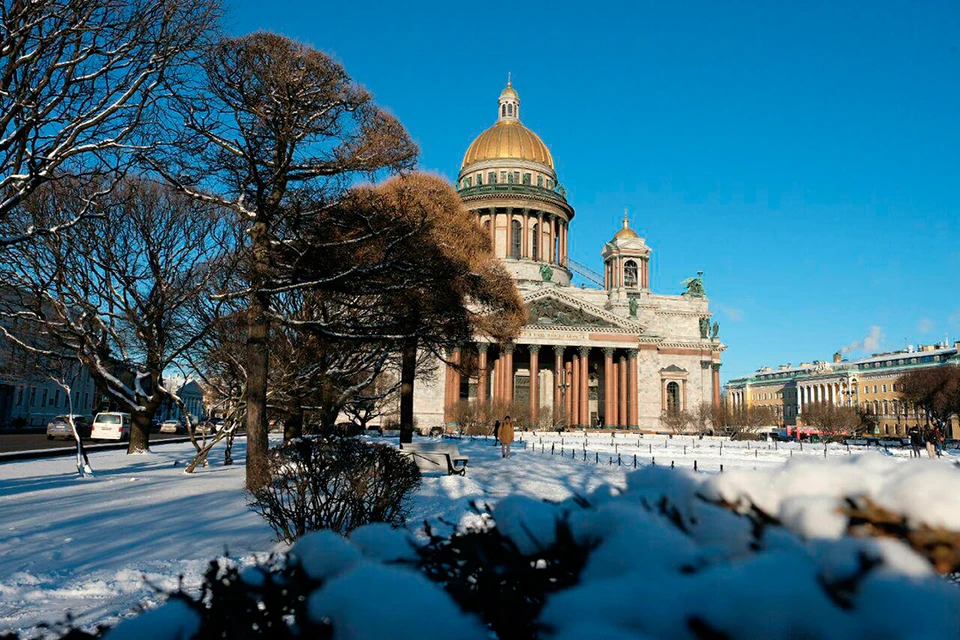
(608, 386)
(634, 399)
(482, 373)
(624, 394)
(574, 415)
(585, 386)
(558, 371)
(716, 384)
(534, 383)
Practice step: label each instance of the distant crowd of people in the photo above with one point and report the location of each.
(930, 437)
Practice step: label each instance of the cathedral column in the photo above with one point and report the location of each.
(608, 386)
(493, 230)
(495, 381)
(615, 388)
(622, 422)
(585, 385)
(633, 417)
(568, 404)
(563, 244)
(508, 370)
(716, 384)
(551, 236)
(534, 383)
(447, 390)
(575, 390)
(525, 243)
(558, 377)
(482, 373)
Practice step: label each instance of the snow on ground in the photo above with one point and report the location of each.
(95, 546)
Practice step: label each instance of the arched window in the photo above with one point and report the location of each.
(630, 274)
(516, 238)
(535, 244)
(673, 398)
(503, 110)
(509, 109)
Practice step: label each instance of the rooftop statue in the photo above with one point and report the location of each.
(704, 327)
(716, 330)
(694, 286)
(633, 307)
(546, 273)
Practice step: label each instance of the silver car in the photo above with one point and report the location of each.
(59, 427)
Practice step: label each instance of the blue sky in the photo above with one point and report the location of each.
(805, 155)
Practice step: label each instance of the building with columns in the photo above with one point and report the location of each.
(867, 383)
(616, 354)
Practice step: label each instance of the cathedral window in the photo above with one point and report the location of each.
(509, 109)
(469, 182)
(516, 176)
(503, 110)
(673, 398)
(492, 177)
(516, 239)
(535, 245)
(539, 180)
(510, 179)
(503, 176)
(479, 179)
(630, 274)
(526, 178)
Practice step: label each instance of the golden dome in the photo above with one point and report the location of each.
(508, 139)
(626, 232)
(509, 92)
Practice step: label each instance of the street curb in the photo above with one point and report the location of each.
(69, 451)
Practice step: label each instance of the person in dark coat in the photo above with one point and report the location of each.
(496, 432)
(915, 442)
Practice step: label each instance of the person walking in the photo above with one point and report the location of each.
(496, 432)
(915, 442)
(506, 437)
(929, 438)
(939, 439)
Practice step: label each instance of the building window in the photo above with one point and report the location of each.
(539, 180)
(516, 177)
(503, 110)
(55, 400)
(503, 177)
(33, 396)
(526, 178)
(479, 179)
(492, 178)
(535, 243)
(509, 109)
(20, 397)
(516, 239)
(874, 388)
(884, 388)
(510, 179)
(673, 398)
(43, 398)
(469, 182)
(630, 273)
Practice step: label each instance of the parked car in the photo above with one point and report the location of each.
(205, 428)
(111, 425)
(170, 426)
(59, 427)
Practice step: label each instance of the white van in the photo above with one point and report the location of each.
(111, 426)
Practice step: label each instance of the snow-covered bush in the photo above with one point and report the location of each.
(813, 550)
(334, 483)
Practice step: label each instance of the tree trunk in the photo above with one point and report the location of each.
(140, 431)
(293, 426)
(258, 333)
(258, 329)
(408, 371)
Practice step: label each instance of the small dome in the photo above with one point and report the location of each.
(509, 92)
(626, 231)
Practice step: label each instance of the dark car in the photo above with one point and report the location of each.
(59, 427)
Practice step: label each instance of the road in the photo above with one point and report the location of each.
(33, 441)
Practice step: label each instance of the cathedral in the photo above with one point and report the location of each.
(612, 353)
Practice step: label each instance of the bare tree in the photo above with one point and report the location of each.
(372, 401)
(81, 83)
(834, 422)
(936, 392)
(741, 423)
(121, 288)
(274, 132)
(678, 421)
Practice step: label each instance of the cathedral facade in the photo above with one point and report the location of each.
(615, 354)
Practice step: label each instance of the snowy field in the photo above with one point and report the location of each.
(95, 546)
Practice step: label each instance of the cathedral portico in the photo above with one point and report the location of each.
(621, 355)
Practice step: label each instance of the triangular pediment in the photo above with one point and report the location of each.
(673, 369)
(554, 308)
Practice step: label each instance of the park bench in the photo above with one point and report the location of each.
(437, 456)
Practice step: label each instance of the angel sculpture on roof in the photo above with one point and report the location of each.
(694, 286)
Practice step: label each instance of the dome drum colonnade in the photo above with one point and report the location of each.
(564, 387)
(508, 180)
